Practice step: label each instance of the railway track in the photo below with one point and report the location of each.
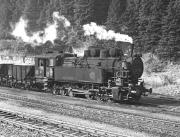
(120, 119)
(142, 105)
(49, 127)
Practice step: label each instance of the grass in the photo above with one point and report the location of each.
(163, 77)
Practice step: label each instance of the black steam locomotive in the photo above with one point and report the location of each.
(103, 74)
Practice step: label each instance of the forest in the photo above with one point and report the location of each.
(154, 25)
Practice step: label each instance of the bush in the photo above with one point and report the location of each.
(153, 64)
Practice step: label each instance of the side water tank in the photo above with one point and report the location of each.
(94, 52)
(87, 53)
(104, 53)
(115, 52)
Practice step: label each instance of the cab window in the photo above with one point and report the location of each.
(43, 62)
(59, 61)
(40, 62)
(51, 62)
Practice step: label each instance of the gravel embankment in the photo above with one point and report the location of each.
(8, 130)
(119, 119)
(154, 103)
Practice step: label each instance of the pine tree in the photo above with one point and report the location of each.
(153, 30)
(32, 13)
(143, 21)
(83, 11)
(116, 9)
(150, 23)
(101, 11)
(129, 20)
(170, 29)
(17, 10)
(67, 9)
(5, 18)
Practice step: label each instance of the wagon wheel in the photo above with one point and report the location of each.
(120, 96)
(29, 87)
(71, 94)
(98, 98)
(105, 98)
(62, 92)
(110, 100)
(88, 96)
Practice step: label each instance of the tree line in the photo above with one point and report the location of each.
(153, 24)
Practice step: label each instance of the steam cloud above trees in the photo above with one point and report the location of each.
(102, 34)
(148, 22)
(49, 33)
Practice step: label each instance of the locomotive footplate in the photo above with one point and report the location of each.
(134, 94)
(78, 91)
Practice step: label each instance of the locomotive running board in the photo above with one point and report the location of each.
(79, 91)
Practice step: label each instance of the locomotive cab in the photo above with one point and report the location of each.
(44, 65)
(45, 68)
(44, 71)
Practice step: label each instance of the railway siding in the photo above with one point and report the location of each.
(120, 119)
(47, 127)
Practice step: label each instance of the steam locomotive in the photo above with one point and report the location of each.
(102, 74)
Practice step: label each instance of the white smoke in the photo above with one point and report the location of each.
(58, 17)
(79, 51)
(20, 32)
(102, 34)
(49, 33)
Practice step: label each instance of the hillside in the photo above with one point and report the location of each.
(163, 77)
(153, 25)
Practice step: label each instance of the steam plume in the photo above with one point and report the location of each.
(102, 34)
(49, 33)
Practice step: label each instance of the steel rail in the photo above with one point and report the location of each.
(51, 127)
(120, 118)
